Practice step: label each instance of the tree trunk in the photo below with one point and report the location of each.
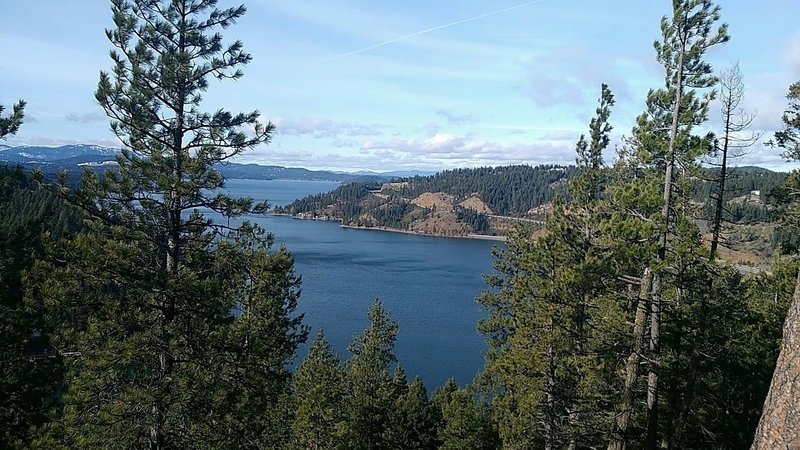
(779, 427)
(655, 303)
(723, 174)
(655, 365)
(619, 435)
(549, 429)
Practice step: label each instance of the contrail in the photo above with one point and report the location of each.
(428, 30)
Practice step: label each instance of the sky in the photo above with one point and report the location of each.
(413, 84)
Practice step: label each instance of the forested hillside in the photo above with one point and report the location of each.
(463, 201)
(506, 190)
(452, 203)
(747, 197)
(31, 219)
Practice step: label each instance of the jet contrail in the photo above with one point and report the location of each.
(428, 30)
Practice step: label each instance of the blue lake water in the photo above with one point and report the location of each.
(428, 283)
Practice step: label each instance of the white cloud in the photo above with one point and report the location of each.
(86, 118)
(793, 55)
(455, 151)
(323, 128)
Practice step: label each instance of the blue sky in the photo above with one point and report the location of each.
(412, 84)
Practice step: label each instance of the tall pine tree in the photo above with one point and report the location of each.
(541, 320)
(175, 326)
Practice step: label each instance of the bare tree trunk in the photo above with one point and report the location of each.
(619, 435)
(723, 174)
(735, 122)
(779, 427)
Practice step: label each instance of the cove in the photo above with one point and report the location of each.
(429, 284)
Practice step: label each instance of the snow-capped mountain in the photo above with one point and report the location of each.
(41, 155)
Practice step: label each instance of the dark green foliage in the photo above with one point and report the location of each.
(318, 391)
(507, 190)
(789, 138)
(346, 199)
(589, 184)
(785, 196)
(371, 392)
(412, 419)
(465, 422)
(9, 125)
(176, 330)
(542, 328)
(478, 222)
(359, 405)
(29, 219)
(395, 214)
(787, 234)
(740, 183)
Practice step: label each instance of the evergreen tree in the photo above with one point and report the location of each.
(30, 372)
(464, 422)
(412, 419)
(664, 138)
(541, 319)
(371, 392)
(733, 144)
(10, 125)
(175, 329)
(318, 391)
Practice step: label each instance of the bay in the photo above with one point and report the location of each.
(428, 283)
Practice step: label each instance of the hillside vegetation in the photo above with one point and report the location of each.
(451, 203)
(489, 200)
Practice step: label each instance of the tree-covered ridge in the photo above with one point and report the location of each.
(747, 197)
(516, 191)
(507, 190)
(452, 202)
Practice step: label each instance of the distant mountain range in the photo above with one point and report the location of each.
(74, 157)
(61, 156)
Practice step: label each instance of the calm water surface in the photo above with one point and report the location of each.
(429, 284)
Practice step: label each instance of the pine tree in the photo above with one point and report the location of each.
(412, 419)
(664, 139)
(541, 318)
(175, 329)
(318, 390)
(371, 391)
(10, 125)
(735, 122)
(30, 374)
(465, 422)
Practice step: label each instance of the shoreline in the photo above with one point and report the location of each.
(481, 237)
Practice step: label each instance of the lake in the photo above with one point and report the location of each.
(428, 283)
